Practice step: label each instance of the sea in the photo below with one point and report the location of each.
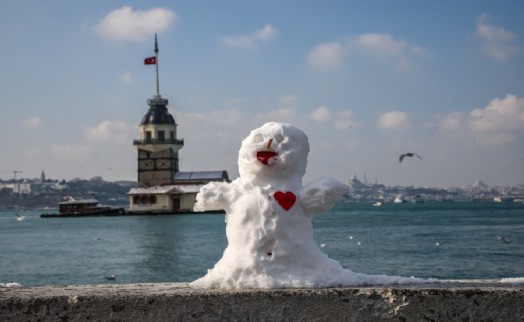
(443, 240)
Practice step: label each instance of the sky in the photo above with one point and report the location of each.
(365, 80)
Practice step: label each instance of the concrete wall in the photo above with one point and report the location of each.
(452, 301)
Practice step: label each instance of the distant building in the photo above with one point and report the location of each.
(162, 187)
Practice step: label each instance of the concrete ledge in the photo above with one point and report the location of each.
(479, 300)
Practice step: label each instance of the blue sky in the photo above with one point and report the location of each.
(365, 80)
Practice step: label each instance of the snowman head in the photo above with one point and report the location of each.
(274, 151)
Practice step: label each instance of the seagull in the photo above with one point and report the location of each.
(20, 217)
(408, 154)
(111, 277)
(504, 240)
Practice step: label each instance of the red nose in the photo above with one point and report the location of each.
(264, 156)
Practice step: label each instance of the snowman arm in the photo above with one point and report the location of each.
(212, 196)
(320, 195)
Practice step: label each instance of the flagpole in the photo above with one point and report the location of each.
(156, 60)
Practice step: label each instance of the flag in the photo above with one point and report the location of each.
(150, 61)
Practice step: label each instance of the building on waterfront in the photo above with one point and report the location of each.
(162, 187)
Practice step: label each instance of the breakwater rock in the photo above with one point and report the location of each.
(471, 300)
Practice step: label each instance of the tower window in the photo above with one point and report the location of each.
(148, 136)
(161, 136)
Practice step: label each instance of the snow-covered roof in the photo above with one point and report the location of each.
(201, 175)
(184, 188)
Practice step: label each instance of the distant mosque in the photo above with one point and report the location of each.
(162, 187)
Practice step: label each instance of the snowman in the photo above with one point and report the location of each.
(268, 215)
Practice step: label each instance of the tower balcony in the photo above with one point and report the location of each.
(155, 145)
(158, 141)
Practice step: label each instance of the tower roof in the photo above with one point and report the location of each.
(157, 113)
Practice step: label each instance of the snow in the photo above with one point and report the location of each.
(10, 285)
(268, 216)
(512, 280)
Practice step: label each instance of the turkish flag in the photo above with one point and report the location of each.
(150, 61)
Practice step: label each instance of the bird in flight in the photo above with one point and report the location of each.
(408, 154)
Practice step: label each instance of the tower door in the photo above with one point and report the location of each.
(176, 203)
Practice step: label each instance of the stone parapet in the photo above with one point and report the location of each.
(478, 300)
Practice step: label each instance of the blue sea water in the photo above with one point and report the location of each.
(476, 240)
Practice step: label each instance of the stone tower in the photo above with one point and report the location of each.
(158, 145)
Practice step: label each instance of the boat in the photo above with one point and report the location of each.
(503, 199)
(418, 199)
(377, 203)
(83, 207)
(399, 199)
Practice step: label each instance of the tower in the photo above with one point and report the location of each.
(158, 145)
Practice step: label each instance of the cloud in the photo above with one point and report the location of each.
(32, 152)
(344, 121)
(288, 99)
(381, 47)
(499, 115)
(251, 41)
(117, 131)
(385, 47)
(497, 139)
(320, 115)
(381, 44)
(70, 151)
(126, 78)
(451, 121)
(285, 115)
(497, 41)
(393, 120)
(495, 124)
(327, 56)
(125, 24)
(33, 121)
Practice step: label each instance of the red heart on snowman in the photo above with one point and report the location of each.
(285, 199)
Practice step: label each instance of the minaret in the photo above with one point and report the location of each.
(158, 145)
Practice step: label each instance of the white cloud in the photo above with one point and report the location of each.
(393, 120)
(490, 32)
(327, 56)
(32, 152)
(381, 47)
(285, 115)
(381, 44)
(251, 41)
(344, 121)
(117, 131)
(499, 115)
(386, 48)
(451, 121)
(126, 78)
(126, 24)
(33, 121)
(351, 144)
(288, 99)
(497, 41)
(70, 151)
(343, 124)
(321, 114)
(495, 124)
(497, 139)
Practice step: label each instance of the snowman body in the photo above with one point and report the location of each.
(268, 216)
